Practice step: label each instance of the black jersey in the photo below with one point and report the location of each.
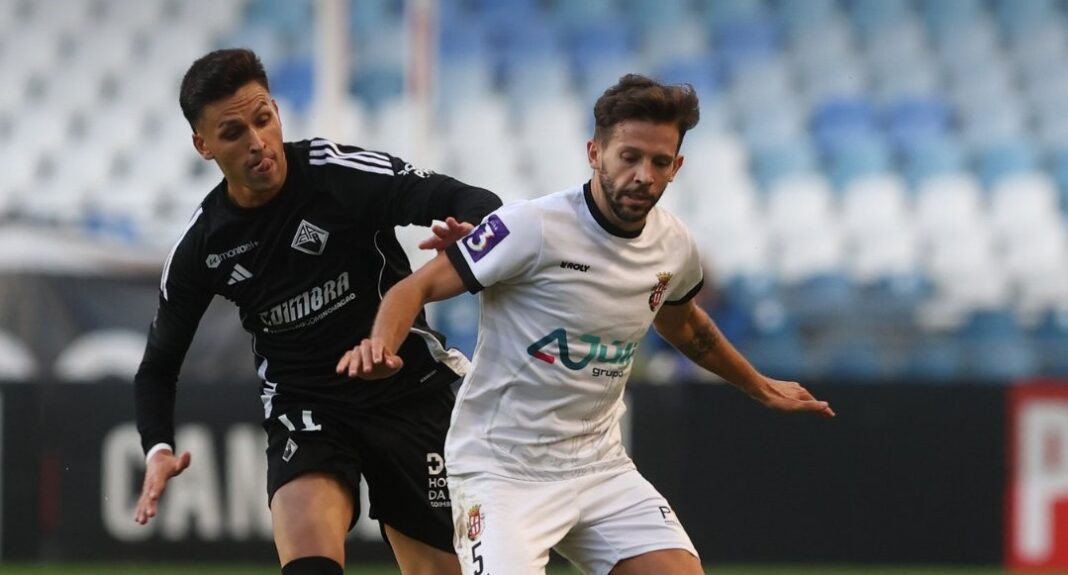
(307, 272)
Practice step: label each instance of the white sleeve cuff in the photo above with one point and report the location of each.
(157, 447)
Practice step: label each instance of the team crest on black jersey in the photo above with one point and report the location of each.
(657, 295)
(310, 238)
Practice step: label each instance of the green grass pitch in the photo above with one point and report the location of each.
(218, 569)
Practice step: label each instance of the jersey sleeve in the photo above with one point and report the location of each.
(506, 245)
(392, 192)
(183, 298)
(690, 276)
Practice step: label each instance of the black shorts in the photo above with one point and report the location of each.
(396, 447)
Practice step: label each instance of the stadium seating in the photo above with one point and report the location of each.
(900, 161)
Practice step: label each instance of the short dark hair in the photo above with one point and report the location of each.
(217, 75)
(637, 97)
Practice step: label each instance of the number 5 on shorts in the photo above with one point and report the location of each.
(479, 565)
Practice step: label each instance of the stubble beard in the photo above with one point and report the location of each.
(615, 201)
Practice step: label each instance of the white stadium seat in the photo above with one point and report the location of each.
(16, 361)
(101, 355)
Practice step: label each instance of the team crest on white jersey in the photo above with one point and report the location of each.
(475, 521)
(657, 295)
(310, 238)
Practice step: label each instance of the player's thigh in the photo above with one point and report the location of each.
(313, 475)
(417, 558)
(663, 561)
(402, 446)
(623, 517)
(505, 526)
(311, 515)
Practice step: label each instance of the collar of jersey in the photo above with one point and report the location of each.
(587, 192)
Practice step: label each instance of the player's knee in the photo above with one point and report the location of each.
(312, 566)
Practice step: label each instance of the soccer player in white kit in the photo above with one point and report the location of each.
(570, 284)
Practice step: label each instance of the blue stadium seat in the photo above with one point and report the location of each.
(1050, 340)
(470, 41)
(1019, 18)
(1006, 360)
(869, 14)
(781, 356)
(703, 72)
(282, 15)
(775, 346)
(821, 300)
(367, 15)
(925, 157)
(644, 14)
(377, 85)
(260, 38)
(781, 159)
(739, 43)
(571, 15)
(461, 80)
(894, 299)
(607, 39)
(910, 119)
(935, 359)
(1005, 159)
(941, 14)
(863, 154)
(1059, 161)
(294, 80)
(728, 11)
(540, 78)
(521, 8)
(798, 15)
(772, 127)
(836, 122)
(750, 290)
(996, 349)
(856, 358)
(523, 42)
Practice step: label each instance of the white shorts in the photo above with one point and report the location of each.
(506, 526)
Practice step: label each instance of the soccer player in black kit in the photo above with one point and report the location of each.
(299, 235)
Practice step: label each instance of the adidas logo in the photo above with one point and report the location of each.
(310, 238)
(239, 274)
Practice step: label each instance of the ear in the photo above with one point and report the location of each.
(202, 149)
(675, 168)
(593, 154)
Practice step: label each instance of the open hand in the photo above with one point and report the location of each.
(161, 468)
(445, 236)
(369, 360)
(790, 396)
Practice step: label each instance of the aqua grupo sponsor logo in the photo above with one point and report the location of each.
(617, 354)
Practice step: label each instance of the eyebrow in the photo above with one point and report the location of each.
(229, 121)
(638, 150)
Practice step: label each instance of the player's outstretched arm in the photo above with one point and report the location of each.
(375, 357)
(162, 466)
(691, 331)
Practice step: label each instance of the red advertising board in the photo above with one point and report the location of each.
(1036, 530)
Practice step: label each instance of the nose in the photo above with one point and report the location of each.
(255, 141)
(643, 174)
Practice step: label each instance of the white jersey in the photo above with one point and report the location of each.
(566, 299)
